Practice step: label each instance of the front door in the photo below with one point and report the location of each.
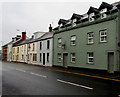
(43, 58)
(65, 59)
(111, 62)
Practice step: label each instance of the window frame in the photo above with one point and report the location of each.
(48, 56)
(40, 45)
(59, 42)
(59, 57)
(48, 44)
(73, 41)
(103, 36)
(73, 57)
(89, 57)
(89, 38)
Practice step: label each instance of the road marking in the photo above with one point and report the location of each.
(86, 75)
(20, 70)
(38, 75)
(74, 84)
(118, 95)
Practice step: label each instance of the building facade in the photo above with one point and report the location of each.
(44, 48)
(32, 48)
(89, 40)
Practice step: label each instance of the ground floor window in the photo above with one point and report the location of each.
(90, 56)
(59, 57)
(73, 57)
(40, 57)
(47, 57)
(34, 57)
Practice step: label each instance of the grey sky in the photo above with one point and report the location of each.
(36, 16)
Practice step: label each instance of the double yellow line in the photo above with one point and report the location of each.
(83, 74)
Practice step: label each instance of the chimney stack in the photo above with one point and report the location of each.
(23, 35)
(50, 28)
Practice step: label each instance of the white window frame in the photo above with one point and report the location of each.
(103, 35)
(73, 57)
(59, 57)
(91, 19)
(103, 14)
(73, 22)
(59, 42)
(89, 57)
(73, 40)
(90, 37)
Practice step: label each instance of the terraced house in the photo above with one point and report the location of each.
(91, 40)
(45, 48)
(16, 50)
(32, 48)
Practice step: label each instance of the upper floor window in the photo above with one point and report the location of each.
(40, 45)
(103, 36)
(90, 37)
(90, 57)
(74, 22)
(17, 49)
(103, 14)
(33, 46)
(73, 40)
(91, 18)
(73, 57)
(59, 42)
(48, 44)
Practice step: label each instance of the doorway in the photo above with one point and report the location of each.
(65, 60)
(43, 58)
(110, 62)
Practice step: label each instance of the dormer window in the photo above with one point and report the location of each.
(103, 14)
(74, 22)
(91, 18)
(60, 25)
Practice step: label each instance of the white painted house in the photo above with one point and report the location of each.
(32, 48)
(44, 48)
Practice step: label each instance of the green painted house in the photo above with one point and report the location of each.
(90, 40)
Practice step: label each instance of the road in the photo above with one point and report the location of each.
(23, 79)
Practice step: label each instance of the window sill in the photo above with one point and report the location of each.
(90, 63)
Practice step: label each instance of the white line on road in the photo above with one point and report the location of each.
(38, 75)
(118, 95)
(75, 84)
(21, 70)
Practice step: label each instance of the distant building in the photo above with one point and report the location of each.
(16, 51)
(91, 40)
(9, 47)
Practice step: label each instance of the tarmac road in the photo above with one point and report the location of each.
(23, 79)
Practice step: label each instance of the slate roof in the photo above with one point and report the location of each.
(62, 21)
(105, 5)
(76, 16)
(45, 36)
(24, 42)
(93, 9)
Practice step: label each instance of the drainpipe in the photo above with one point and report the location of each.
(118, 6)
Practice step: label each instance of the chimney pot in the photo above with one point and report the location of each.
(50, 28)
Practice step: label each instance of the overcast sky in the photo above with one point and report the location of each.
(35, 16)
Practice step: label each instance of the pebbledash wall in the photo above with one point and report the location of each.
(89, 50)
